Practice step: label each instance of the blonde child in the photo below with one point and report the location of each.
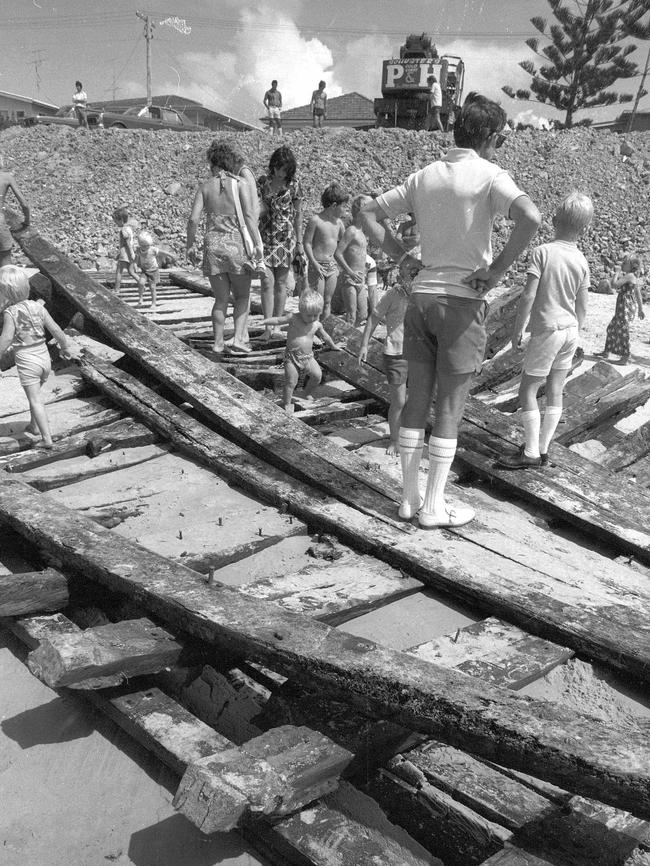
(126, 248)
(628, 303)
(299, 361)
(391, 309)
(24, 324)
(147, 260)
(555, 299)
(322, 234)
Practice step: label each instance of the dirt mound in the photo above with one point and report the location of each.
(74, 179)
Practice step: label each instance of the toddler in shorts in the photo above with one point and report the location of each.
(299, 361)
(391, 309)
(555, 299)
(150, 259)
(24, 323)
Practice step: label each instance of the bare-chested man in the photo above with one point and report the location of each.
(8, 182)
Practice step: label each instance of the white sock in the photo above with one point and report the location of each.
(441, 456)
(411, 443)
(550, 421)
(530, 419)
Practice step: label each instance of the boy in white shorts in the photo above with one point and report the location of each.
(555, 299)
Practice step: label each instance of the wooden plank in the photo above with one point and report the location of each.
(216, 559)
(341, 591)
(346, 828)
(128, 648)
(561, 610)
(32, 591)
(625, 453)
(601, 373)
(610, 403)
(270, 776)
(76, 469)
(125, 433)
(33, 630)
(538, 736)
(495, 651)
(499, 369)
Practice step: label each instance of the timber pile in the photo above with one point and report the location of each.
(266, 713)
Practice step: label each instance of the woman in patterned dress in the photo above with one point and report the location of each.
(224, 254)
(628, 303)
(280, 197)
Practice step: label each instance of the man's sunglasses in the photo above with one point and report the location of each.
(501, 137)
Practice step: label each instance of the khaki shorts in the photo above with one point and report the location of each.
(445, 331)
(396, 368)
(550, 350)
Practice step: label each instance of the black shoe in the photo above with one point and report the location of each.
(544, 459)
(519, 460)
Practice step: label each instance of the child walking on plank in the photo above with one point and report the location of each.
(555, 299)
(23, 326)
(391, 309)
(628, 302)
(299, 361)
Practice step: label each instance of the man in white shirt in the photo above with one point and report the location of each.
(80, 103)
(455, 201)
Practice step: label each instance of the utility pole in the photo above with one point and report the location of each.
(148, 35)
(640, 92)
(36, 62)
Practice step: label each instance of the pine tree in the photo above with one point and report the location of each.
(585, 53)
(636, 23)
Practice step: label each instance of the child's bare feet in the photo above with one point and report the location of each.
(288, 408)
(218, 347)
(393, 449)
(42, 443)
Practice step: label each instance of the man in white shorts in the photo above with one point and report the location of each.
(455, 201)
(273, 105)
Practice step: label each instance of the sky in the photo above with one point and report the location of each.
(224, 53)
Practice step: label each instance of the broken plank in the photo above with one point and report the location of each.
(216, 559)
(335, 593)
(128, 648)
(495, 651)
(269, 776)
(625, 453)
(32, 591)
(346, 828)
(318, 414)
(124, 433)
(499, 369)
(601, 373)
(556, 610)
(538, 736)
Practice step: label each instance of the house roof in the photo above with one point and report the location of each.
(37, 102)
(349, 106)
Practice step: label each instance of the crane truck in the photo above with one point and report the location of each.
(404, 101)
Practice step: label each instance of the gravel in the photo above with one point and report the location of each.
(74, 179)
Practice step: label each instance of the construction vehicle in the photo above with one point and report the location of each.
(405, 91)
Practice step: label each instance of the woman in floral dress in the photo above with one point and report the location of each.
(280, 198)
(628, 303)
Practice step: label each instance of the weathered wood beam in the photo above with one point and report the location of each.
(630, 449)
(571, 749)
(272, 775)
(125, 433)
(32, 591)
(129, 648)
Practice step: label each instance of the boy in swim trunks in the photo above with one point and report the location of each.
(23, 327)
(351, 255)
(149, 259)
(299, 361)
(322, 235)
(126, 249)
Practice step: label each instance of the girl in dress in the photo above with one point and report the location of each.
(628, 303)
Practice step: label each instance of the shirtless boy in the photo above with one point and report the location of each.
(322, 235)
(299, 361)
(7, 182)
(351, 255)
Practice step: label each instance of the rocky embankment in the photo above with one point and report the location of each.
(75, 178)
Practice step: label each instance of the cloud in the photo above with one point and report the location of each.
(360, 66)
(529, 118)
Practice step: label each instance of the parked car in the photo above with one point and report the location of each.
(65, 116)
(149, 117)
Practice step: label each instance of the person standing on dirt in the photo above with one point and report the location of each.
(318, 105)
(8, 182)
(273, 105)
(455, 201)
(435, 105)
(80, 103)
